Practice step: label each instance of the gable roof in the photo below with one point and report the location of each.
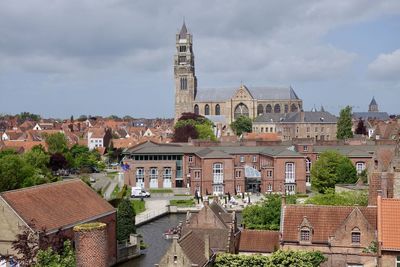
(194, 248)
(260, 241)
(57, 205)
(325, 220)
(388, 223)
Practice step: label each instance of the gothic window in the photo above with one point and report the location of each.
(286, 108)
(196, 109)
(183, 83)
(293, 108)
(217, 110)
(260, 109)
(206, 109)
(241, 110)
(182, 48)
(277, 108)
(268, 109)
(355, 236)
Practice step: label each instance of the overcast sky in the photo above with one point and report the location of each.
(70, 57)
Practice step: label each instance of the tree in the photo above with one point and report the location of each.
(49, 257)
(57, 162)
(344, 124)
(267, 214)
(205, 132)
(57, 143)
(72, 119)
(361, 129)
(332, 168)
(15, 173)
(359, 198)
(23, 116)
(26, 246)
(125, 220)
(243, 124)
(38, 158)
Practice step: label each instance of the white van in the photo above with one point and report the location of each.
(139, 192)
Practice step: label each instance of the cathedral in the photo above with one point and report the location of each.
(227, 103)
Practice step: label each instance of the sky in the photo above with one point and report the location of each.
(115, 57)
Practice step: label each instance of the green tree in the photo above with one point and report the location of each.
(361, 129)
(56, 143)
(205, 132)
(7, 152)
(39, 159)
(330, 198)
(15, 173)
(332, 168)
(344, 124)
(125, 220)
(243, 124)
(50, 258)
(267, 214)
(193, 126)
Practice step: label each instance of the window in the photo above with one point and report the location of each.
(356, 236)
(322, 129)
(218, 189)
(139, 173)
(238, 174)
(360, 166)
(316, 129)
(206, 109)
(183, 83)
(217, 110)
(262, 129)
(289, 172)
(398, 261)
(268, 109)
(271, 129)
(277, 108)
(269, 173)
(305, 234)
(269, 188)
(254, 158)
(290, 189)
(238, 189)
(308, 129)
(182, 48)
(305, 148)
(197, 175)
(260, 109)
(293, 108)
(218, 173)
(308, 171)
(153, 173)
(241, 158)
(241, 110)
(182, 59)
(167, 173)
(190, 159)
(196, 109)
(286, 108)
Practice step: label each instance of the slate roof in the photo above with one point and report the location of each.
(56, 205)
(388, 223)
(373, 102)
(260, 93)
(350, 151)
(212, 154)
(183, 32)
(371, 115)
(258, 241)
(296, 117)
(325, 220)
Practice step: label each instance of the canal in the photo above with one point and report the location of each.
(157, 245)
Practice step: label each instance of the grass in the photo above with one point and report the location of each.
(182, 202)
(111, 174)
(138, 206)
(115, 192)
(160, 191)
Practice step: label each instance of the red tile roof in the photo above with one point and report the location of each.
(325, 220)
(388, 223)
(57, 205)
(260, 241)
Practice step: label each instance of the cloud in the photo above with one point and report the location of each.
(386, 67)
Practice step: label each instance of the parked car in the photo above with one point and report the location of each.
(139, 192)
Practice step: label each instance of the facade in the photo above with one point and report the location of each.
(98, 137)
(229, 103)
(373, 113)
(319, 125)
(216, 169)
(341, 233)
(53, 208)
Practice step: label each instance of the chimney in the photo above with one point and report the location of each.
(207, 246)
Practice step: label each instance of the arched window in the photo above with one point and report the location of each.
(196, 109)
(260, 109)
(206, 109)
(360, 166)
(277, 108)
(308, 171)
(286, 108)
(355, 236)
(183, 83)
(241, 110)
(293, 108)
(268, 109)
(217, 110)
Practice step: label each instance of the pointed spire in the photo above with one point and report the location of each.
(373, 101)
(183, 32)
(322, 108)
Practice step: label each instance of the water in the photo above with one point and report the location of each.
(157, 245)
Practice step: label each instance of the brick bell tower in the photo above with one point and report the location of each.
(184, 73)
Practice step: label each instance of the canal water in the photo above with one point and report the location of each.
(157, 245)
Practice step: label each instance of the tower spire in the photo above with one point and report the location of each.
(183, 32)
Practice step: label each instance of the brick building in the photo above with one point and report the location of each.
(53, 208)
(341, 233)
(216, 169)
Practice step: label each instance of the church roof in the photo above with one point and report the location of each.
(260, 93)
(373, 102)
(371, 115)
(183, 32)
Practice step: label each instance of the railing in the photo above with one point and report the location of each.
(150, 215)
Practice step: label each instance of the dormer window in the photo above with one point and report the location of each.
(356, 236)
(305, 234)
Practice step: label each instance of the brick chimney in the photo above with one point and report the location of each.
(91, 246)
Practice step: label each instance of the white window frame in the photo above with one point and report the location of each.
(290, 174)
(153, 173)
(360, 167)
(167, 173)
(269, 188)
(238, 189)
(218, 173)
(254, 158)
(241, 158)
(397, 261)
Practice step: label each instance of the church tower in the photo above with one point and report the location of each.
(373, 106)
(184, 73)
